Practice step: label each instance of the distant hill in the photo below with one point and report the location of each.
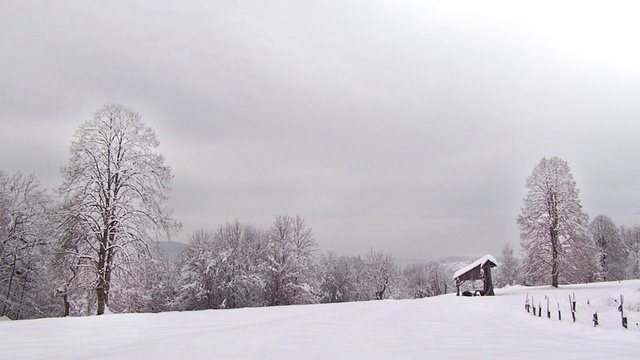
(456, 259)
(172, 249)
(444, 261)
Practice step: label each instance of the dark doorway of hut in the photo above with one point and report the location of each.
(477, 270)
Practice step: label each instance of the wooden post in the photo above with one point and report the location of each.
(621, 309)
(548, 310)
(572, 306)
(533, 305)
(488, 284)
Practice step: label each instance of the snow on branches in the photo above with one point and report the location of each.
(553, 228)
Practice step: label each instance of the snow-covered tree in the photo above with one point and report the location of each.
(115, 193)
(631, 239)
(74, 272)
(423, 280)
(416, 282)
(361, 283)
(553, 227)
(151, 285)
(237, 266)
(26, 284)
(290, 267)
(580, 260)
(337, 278)
(381, 273)
(240, 266)
(508, 272)
(613, 253)
(196, 285)
(225, 269)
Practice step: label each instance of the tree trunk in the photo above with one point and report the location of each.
(554, 270)
(67, 306)
(101, 286)
(101, 295)
(8, 296)
(555, 244)
(554, 261)
(102, 290)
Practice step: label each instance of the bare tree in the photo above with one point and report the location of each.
(237, 265)
(418, 282)
(338, 278)
(115, 191)
(553, 227)
(381, 272)
(425, 280)
(152, 285)
(290, 268)
(613, 253)
(509, 270)
(197, 287)
(579, 261)
(631, 239)
(26, 285)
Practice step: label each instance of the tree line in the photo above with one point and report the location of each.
(48, 269)
(91, 246)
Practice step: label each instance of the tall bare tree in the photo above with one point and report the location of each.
(553, 227)
(115, 190)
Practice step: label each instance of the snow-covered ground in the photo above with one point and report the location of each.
(441, 327)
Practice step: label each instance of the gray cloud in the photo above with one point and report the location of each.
(400, 126)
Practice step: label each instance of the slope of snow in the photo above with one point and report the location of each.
(435, 328)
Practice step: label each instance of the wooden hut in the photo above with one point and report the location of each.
(477, 270)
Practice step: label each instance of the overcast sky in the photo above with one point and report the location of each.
(405, 126)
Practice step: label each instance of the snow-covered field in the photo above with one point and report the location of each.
(441, 327)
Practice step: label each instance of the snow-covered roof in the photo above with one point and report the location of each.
(478, 263)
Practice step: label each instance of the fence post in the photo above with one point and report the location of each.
(621, 309)
(548, 310)
(572, 306)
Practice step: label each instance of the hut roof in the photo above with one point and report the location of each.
(472, 271)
